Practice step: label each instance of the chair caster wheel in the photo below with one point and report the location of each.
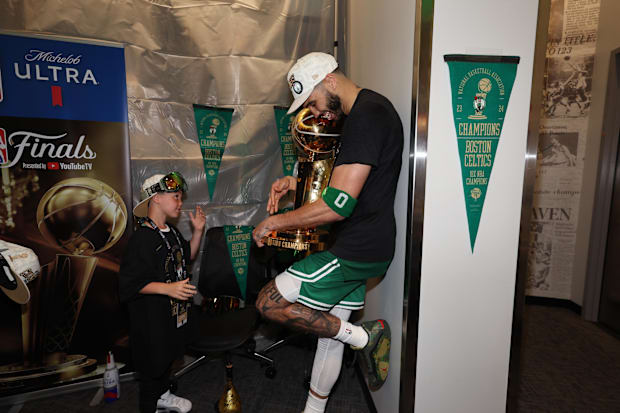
(270, 372)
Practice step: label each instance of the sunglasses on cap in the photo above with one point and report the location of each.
(171, 182)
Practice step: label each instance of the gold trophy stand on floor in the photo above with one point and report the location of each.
(317, 141)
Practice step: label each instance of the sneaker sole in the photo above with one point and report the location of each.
(377, 365)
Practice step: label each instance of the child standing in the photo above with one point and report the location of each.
(154, 282)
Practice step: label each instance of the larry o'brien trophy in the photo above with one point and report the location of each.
(80, 216)
(317, 141)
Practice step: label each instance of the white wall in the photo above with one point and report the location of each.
(467, 299)
(608, 40)
(380, 57)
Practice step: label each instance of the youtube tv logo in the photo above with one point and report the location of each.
(53, 166)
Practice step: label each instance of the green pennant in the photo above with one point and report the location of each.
(212, 125)
(239, 241)
(481, 87)
(283, 123)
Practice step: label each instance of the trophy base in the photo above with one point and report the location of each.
(310, 240)
(19, 377)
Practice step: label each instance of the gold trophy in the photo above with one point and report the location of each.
(81, 217)
(317, 141)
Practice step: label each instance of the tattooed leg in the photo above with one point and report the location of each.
(273, 306)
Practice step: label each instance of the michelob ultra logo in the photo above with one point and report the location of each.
(35, 67)
(50, 78)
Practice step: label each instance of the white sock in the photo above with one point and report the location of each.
(315, 404)
(351, 334)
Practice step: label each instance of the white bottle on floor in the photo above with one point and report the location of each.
(111, 381)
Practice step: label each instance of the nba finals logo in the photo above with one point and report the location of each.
(4, 151)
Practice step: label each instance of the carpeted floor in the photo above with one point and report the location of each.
(285, 393)
(567, 364)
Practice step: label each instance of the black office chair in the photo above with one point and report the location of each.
(217, 278)
(224, 324)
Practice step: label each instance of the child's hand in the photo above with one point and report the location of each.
(198, 219)
(181, 290)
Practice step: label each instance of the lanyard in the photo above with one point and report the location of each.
(161, 234)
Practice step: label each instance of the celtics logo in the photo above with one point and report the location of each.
(295, 85)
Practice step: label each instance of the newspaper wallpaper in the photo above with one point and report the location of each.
(562, 143)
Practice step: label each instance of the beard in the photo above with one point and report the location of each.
(334, 106)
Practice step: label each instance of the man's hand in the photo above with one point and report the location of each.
(198, 219)
(262, 230)
(181, 290)
(278, 189)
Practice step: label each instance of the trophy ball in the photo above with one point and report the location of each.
(484, 85)
(81, 216)
(315, 134)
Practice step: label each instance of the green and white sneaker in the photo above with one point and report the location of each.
(376, 353)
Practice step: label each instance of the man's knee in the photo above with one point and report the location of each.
(277, 295)
(263, 302)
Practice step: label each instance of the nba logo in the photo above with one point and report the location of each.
(4, 152)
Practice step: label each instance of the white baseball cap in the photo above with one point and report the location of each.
(19, 266)
(171, 182)
(306, 73)
(142, 209)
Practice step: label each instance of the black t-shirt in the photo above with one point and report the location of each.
(372, 135)
(155, 339)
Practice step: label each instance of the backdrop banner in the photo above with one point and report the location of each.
(63, 211)
(212, 125)
(481, 87)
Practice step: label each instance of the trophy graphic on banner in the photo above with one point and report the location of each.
(317, 141)
(81, 217)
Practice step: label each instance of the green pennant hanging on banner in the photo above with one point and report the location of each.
(283, 124)
(212, 125)
(481, 87)
(239, 241)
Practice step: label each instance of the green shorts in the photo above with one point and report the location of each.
(329, 281)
